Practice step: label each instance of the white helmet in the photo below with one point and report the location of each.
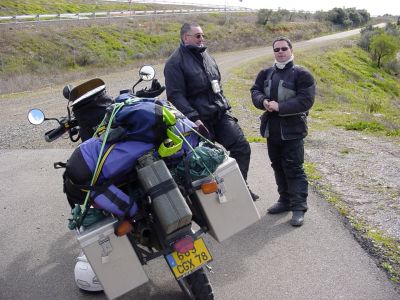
(85, 278)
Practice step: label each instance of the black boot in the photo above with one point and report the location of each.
(278, 208)
(297, 218)
(255, 197)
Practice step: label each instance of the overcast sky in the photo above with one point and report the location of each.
(374, 7)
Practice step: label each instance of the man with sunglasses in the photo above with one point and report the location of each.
(286, 93)
(193, 85)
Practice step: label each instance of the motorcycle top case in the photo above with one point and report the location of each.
(112, 258)
(232, 209)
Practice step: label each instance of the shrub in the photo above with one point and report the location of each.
(363, 125)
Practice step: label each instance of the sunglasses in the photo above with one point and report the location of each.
(197, 35)
(282, 48)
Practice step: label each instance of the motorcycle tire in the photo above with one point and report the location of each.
(197, 286)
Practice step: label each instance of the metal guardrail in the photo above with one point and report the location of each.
(109, 14)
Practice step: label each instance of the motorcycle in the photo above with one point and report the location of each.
(182, 247)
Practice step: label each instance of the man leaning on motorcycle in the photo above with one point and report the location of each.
(192, 80)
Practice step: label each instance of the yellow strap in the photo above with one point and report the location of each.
(103, 159)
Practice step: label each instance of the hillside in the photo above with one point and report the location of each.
(40, 54)
(29, 7)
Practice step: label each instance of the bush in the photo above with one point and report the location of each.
(383, 47)
(363, 125)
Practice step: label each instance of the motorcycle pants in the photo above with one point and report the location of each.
(287, 158)
(226, 131)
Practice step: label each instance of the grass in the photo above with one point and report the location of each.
(29, 53)
(351, 92)
(29, 7)
(362, 98)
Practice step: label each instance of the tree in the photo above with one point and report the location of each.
(320, 15)
(364, 15)
(383, 47)
(355, 17)
(276, 17)
(264, 16)
(348, 17)
(338, 16)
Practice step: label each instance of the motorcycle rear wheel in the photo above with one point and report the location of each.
(197, 286)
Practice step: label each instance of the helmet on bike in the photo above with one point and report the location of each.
(85, 278)
(83, 93)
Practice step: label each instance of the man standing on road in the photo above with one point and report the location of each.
(192, 81)
(286, 93)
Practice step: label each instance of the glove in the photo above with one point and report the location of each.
(155, 90)
(204, 131)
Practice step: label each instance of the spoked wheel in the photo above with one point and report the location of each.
(197, 286)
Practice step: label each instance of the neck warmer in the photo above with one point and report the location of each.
(196, 49)
(281, 65)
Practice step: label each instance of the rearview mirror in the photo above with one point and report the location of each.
(36, 116)
(147, 73)
(67, 91)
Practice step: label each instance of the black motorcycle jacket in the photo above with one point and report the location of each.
(188, 73)
(293, 87)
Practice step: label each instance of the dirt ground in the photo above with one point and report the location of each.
(364, 170)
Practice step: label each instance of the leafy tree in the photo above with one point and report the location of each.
(284, 13)
(321, 15)
(365, 16)
(348, 17)
(354, 16)
(383, 47)
(276, 17)
(338, 16)
(264, 16)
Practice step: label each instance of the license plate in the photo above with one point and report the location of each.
(183, 264)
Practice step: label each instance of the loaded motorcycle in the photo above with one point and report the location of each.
(133, 194)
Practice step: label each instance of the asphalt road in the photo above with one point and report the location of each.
(269, 260)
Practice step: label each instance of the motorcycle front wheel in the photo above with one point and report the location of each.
(197, 286)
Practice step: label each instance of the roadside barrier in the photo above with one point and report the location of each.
(4, 20)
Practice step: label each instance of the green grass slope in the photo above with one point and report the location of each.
(28, 7)
(42, 54)
(351, 91)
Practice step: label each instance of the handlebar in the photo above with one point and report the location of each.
(66, 125)
(55, 133)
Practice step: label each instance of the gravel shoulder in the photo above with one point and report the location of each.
(364, 171)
